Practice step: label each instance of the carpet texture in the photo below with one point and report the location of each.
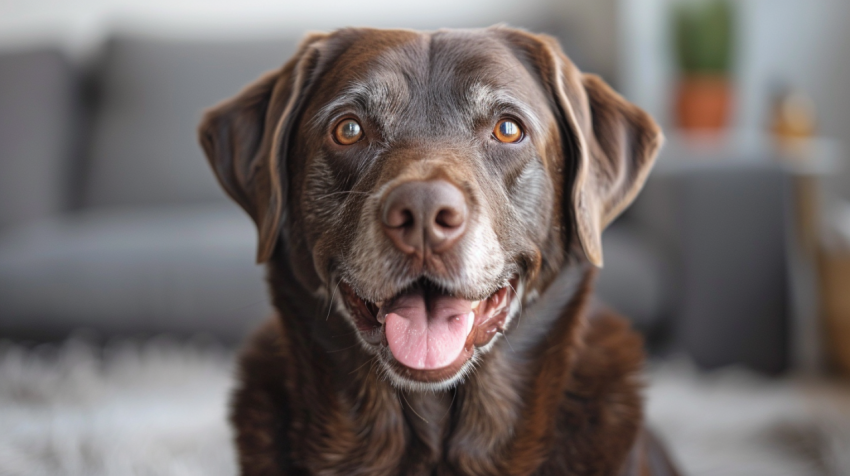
(159, 408)
(735, 423)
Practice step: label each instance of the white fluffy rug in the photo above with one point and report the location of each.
(735, 423)
(159, 408)
(153, 409)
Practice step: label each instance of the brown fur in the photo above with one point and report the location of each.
(562, 395)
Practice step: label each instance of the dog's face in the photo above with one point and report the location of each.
(431, 183)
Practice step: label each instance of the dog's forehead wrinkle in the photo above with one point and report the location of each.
(434, 105)
(379, 86)
(380, 101)
(409, 90)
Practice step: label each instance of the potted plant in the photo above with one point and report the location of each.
(703, 44)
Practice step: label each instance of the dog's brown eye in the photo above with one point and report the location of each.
(507, 131)
(348, 132)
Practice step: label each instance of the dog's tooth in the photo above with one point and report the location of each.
(475, 304)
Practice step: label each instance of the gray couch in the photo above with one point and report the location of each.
(109, 216)
(111, 220)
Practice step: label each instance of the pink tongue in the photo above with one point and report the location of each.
(427, 331)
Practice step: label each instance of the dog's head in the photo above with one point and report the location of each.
(430, 182)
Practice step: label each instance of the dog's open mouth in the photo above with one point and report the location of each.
(430, 332)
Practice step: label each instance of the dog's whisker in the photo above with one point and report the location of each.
(348, 192)
(411, 407)
(370, 360)
(344, 348)
(448, 410)
(505, 336)
(519, 303)
(331, 302)
(344, 334)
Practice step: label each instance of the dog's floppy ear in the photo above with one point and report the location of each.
(617, 144)
(613, 142)
(246, 141)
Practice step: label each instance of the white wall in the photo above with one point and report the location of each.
(80, 24)
(804, 44)
(589, 26)
(645, 68)
(801, 43)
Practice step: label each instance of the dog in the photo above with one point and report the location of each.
(429, 207)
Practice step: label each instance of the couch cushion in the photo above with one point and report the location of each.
(153, 92)
(183, 269)
(38, 97)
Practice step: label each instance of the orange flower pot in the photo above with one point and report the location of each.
(703, 102)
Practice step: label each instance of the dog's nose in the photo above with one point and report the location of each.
(420, 214)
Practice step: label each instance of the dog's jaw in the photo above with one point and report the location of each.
(491, 316)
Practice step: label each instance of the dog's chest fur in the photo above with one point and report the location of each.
(569, 406)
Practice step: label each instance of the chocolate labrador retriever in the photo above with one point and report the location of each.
(430, 206)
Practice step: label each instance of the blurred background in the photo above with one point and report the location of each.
(734, 262)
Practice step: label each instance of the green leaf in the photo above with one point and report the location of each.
(703, 36)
